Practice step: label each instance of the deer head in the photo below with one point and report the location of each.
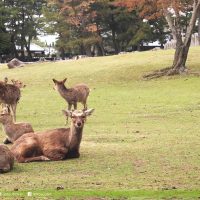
(5, 115)
(58, 84)
(78, 116)
(18, 83)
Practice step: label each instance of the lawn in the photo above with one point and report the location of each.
(142, 141)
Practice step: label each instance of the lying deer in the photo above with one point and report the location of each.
(13, 130)
(10, 95)
(79, 93)
(6, 159)
(56, 144)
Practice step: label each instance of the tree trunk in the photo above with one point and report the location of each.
(182, 46)
(199, 27)
(62, 53)
(180, 57)
(14, 52)
(27, 46)
(99, 50)
(115, 42)
(87, 51)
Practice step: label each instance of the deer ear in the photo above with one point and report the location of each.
(89, 111)
(54, 80)
(64, 80)
(67, 113)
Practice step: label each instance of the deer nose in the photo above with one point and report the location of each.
(79, 124)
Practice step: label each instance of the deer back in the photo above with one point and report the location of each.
(54, 138)
(82, 91)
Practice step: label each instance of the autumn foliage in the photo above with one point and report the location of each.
(77, 13)
(155, 8)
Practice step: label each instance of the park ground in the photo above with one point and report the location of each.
(143, 140)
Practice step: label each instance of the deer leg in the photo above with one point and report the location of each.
(73, 154)
(13, 108)
(37, 158)
(84, 106)
(69, 108)
(56, 154)
(75, 105)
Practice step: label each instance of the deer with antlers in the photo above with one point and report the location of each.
(56, 144)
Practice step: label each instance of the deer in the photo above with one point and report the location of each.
(10, 96)
(13, 130)
(52, 145)
(6, 159)
(79, 93)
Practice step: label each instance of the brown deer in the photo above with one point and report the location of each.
(13, 130)
(56, 144)
(10, 95)
(79, 93)
(6, 159)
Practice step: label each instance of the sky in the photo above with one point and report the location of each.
(49, 39)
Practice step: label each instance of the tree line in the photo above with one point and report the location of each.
(84, 27)
(20, 22)
(98, 27)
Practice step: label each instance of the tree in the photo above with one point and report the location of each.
(172, 10)
(76, 29)
(99, 27)
(22, 22)
(5, 45)
(115, 25)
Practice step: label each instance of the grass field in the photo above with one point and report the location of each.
(143, 140)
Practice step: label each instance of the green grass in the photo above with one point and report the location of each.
(142, 140)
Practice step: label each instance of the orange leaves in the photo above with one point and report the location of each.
(77, 13)
(130, 4)
(154, 8)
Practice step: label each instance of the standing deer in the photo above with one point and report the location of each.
(79, 93)
(10, 95)
(56, 144)
(6, 159)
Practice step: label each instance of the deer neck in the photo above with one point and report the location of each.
(7, 127)
(7, 123)
(75, 137)
(62, 90)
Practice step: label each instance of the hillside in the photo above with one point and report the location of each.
(144, 135)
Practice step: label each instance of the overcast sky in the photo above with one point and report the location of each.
(49, 39)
